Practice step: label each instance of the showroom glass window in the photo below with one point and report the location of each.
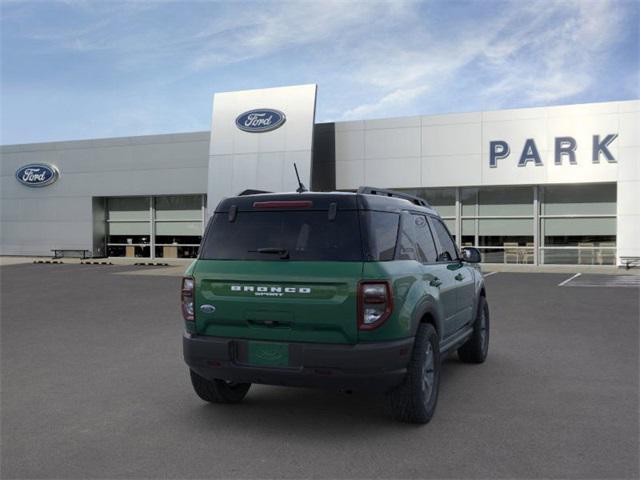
(178, 224)
(129, 227)
(578, 224)
(500, 222)
(168, 226)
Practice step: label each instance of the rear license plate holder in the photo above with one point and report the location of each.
(268, 354)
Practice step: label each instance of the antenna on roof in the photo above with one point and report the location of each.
(301, 188)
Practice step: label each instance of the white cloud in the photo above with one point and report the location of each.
(538, 52)
(553, 57)
(253, 33)
(370, 58)
(389, 102)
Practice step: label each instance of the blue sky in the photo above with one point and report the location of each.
(85, 69)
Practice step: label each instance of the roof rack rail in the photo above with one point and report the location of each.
(391, 193)
(250, 191)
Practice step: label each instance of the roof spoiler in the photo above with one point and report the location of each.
(391, 193)
(251, 192)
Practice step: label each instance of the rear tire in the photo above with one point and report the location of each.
(414, 401)
(476, 348)
(218, 391)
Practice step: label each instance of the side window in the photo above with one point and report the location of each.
(383, 231)
(407, 239)
(426, 248)
(447, 249)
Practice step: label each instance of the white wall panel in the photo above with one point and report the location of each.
(628, 233)
(392, 142)
(56, 209)
(349, 144)
(448, 170)
(629, 163)
(349, 175)
(220, 175)
(292, 141)
(444, 140)
(352, 125)
(630, 129)
(392, 172)
(628, 202)
(269, 171)
(245, 171)
(629, 106)
(35, 220)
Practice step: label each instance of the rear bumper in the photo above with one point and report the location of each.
(375, 367)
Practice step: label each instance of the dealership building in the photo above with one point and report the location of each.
(552, 185)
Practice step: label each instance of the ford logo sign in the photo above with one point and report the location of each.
(37, 175)
(260, 120)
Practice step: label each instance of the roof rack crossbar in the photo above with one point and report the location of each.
(392, 193)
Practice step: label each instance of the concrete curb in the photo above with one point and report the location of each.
(520, 268)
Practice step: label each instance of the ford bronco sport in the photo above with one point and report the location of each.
(357, 291)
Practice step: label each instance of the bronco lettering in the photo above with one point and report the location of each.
(274, 290)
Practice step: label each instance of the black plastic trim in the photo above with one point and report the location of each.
(374, 367)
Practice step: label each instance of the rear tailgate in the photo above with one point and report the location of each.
(293, 301)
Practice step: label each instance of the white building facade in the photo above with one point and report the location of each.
(553, 185)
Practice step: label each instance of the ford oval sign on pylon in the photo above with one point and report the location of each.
(260, 120)
(37, 175)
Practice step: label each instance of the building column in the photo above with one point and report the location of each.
(458, 221)
(536, 226)
(204, 213)
(152, 236)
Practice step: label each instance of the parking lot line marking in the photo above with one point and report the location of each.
(489, 274)
(629, 281)
(569, 279)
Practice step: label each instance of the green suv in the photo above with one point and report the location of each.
(360, 291)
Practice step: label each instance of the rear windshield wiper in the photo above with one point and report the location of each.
(283, 252)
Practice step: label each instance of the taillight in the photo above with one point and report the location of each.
(186, 298)
(375, 304)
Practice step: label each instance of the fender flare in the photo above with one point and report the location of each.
(480, 287)
(427, 308)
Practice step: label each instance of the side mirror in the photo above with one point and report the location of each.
(471, 255)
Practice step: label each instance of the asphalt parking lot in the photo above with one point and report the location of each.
(93, 386)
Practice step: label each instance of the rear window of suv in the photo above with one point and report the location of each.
(277, 235)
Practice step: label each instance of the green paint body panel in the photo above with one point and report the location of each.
(328, 312)
(303, 301)
(408, 291)
(292, 300)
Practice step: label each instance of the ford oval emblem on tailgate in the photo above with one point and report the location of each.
(207, 308)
